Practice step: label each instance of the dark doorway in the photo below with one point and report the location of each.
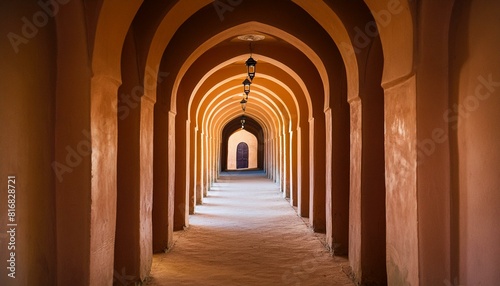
(242, 156)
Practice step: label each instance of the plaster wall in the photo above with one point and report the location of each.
(73, 129)
(27, 106)
(172, 202)
(473, 119)
(338, 165)
(128, 170)
(162, 221)
(373, 194)
(135, 163)
(401, 187)
(317, 173)
(105, 80)
(303, 171)
(146, 188)
(433, 153)
(234, 140)
(181, 210)
(205, 172)
(287, 161)
(354, 247)
(281, 172)
(417, 196)
(294, 181)
(163, 190)
(199, 183)
(103, 180)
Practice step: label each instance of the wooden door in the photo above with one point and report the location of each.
(242, 156)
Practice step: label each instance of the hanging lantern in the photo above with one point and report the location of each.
(250, 63)
(243, 103)
(246, 86)
(243, 120)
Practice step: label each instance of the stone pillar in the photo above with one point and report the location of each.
(190, 165)
(303, 169)
(328, 179)
(162, 212)
(293, 168)
(146, 188)
(284, 170)
(103, 132)
(198, 181)
(355, 222)
(317, 207)
(401, 182)
(206, 162)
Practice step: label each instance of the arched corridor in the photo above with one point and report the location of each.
(376, 120)
(246, 233)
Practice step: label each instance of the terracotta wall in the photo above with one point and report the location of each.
(163, 195)
(433, 163)
(401, 195)
(73, 129)
(473, 119)
(338, 166)
(367, 241)
(128, 168)
(27, 89)
(373, 214)
(181, 210)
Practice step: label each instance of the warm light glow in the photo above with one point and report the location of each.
(243, 103)
(238, 137)
(250, 63)
(246, 86)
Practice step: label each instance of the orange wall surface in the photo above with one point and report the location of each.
(27, 88)
(473, 118)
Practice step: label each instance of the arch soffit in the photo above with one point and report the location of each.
(234, 125)
(175, 17)
(397, 37)
(334, 26)
(225, 95)
(107, 54)
(107, 25)
(218, 132)
(251, 27)
(238, 76)
(266, 104)
(225, 113)
(233, 93)
(257, 91)
(111, 30)
(195, 93)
